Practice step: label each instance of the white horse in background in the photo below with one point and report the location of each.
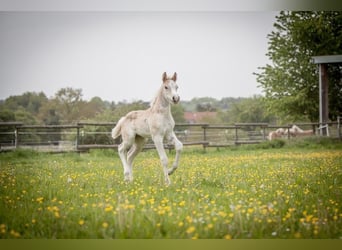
(294, 132)
(279, 133)
(297, 131)
(157, 122)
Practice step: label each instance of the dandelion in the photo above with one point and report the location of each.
(195, 237)
(191, 230)
(188, 219)
(105, 225)
(151, 201)
(40, 200)
(297, 235)
(2, 228)
(129, 206)
(81, 222)
(227, 237)
(222, 214)
(181, 204)
(108, 208)
(180, 224)
(250, 210)
(308, 218)
(14, 233)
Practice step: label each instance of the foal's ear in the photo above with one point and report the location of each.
(174, 78)
(164, 77)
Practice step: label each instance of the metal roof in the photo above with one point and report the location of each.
(327, 59)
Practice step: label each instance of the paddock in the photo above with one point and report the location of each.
(231, 193)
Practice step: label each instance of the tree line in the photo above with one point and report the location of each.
(67, 106)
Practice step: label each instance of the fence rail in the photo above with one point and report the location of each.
(93, 135)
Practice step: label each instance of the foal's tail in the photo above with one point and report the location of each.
(116, 131)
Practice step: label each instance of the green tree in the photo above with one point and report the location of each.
(29, 101)
(248, 110)
(88, 110)
(290, 84)
(7, 115)
(68, 101)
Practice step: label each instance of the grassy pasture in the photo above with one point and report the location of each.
(288, 192)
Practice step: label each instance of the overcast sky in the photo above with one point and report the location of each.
(122, 55)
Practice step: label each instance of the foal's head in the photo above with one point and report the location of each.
(170, 87)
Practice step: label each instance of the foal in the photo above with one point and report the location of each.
(157, 122)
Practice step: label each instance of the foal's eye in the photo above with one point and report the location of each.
(166, 87)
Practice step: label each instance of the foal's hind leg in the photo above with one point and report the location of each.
(123, 149)
(134, 151)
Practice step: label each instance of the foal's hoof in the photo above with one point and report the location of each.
(170, 172)
(128, 179)
(167, 182)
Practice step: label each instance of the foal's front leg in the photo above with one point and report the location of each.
(158, 142)
(178, 147)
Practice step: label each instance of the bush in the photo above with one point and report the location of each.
(315, 142)
(277, 143)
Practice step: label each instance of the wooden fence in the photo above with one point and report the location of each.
(91, 135)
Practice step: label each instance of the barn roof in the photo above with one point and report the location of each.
(327, 59)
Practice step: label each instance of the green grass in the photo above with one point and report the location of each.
(289, 192)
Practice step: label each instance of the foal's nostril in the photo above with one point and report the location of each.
(175, 99)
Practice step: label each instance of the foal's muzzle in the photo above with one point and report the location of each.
(175, 99)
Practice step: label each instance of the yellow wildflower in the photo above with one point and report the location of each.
(227, 237)
(191, 230)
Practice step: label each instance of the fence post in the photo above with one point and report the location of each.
(16, 137)
(339, 127)
(264, 132)
(236, 134)
(77, 136)
(204, 132)
(204, 127)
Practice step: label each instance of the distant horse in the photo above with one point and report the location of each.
(156, 121)
(297, 131)
(276, 134)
